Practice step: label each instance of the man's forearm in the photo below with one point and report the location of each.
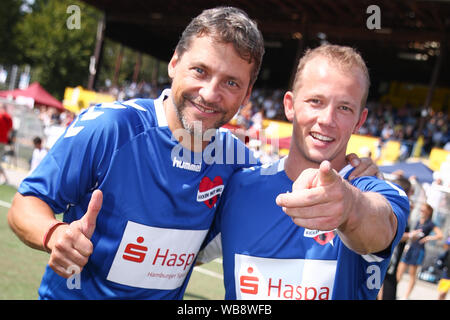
(30, 218)
(371, 225)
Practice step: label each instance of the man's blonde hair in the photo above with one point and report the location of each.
(344, 57)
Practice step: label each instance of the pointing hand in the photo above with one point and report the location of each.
(320, 199)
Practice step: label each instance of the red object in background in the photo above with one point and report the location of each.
(39, 94)
(6, 125)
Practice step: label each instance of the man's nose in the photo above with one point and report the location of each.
(210, 91)
(326, 116)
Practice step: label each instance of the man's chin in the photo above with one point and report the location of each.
(317, 159)
(199, 129)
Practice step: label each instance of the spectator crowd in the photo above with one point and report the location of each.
(403, 124)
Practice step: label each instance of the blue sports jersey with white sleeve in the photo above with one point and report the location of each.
(267, 256)
(159, 199)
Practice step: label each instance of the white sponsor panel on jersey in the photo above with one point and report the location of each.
(155, 258)
(287, 279)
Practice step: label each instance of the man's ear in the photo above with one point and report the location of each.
(172, 64)
(362, 119)
(288, 102)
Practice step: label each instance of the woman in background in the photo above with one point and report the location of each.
(415, 250)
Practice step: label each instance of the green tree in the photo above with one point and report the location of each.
(10, 15)
(59, 55)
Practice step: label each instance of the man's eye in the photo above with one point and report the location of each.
(232, 83)
(345, 108)
(199, 70)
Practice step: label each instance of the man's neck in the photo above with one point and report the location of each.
(294, 165)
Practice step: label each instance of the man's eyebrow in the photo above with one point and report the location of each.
(321, 96)
(199, 64)
(314, 95)
(349, 103)
(226, 75)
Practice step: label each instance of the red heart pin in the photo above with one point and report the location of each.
(209, 191)
(324, 238)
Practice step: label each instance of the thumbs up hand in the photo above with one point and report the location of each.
(88, 221)
(71, 244)
(320, 199)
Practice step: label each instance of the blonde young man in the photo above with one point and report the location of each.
(331, 236)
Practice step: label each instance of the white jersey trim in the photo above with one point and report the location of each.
(159, 108)
(132, 103)
(345, 170)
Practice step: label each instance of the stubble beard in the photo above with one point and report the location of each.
(194, 128)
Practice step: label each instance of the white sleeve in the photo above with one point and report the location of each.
(211, 251)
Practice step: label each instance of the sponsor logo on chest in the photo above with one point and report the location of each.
(155, 258)
(286, 279)
(210, 190)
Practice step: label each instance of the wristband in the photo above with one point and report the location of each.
(49, 232)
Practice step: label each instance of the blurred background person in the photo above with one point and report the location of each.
(6, 125)
(415, 249)
(39, 153)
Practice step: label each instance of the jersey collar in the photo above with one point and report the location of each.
(159, 108)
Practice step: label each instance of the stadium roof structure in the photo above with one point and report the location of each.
(403, 45)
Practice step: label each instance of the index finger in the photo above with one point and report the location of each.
(303, 198)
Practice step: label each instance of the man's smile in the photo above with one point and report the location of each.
(321, 137)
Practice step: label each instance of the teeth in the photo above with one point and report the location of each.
(204, 110)
(321, 137)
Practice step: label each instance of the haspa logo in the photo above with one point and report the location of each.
(136, 253)
(278, 288)
(210, 190)
(249, 284)
(155, 258)
(287, 279)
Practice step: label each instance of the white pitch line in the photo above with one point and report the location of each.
(209, 273)
(5, 204)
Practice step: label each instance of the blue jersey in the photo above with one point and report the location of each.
(159, 199)
(267, 256)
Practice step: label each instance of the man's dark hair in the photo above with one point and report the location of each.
(227, 25)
